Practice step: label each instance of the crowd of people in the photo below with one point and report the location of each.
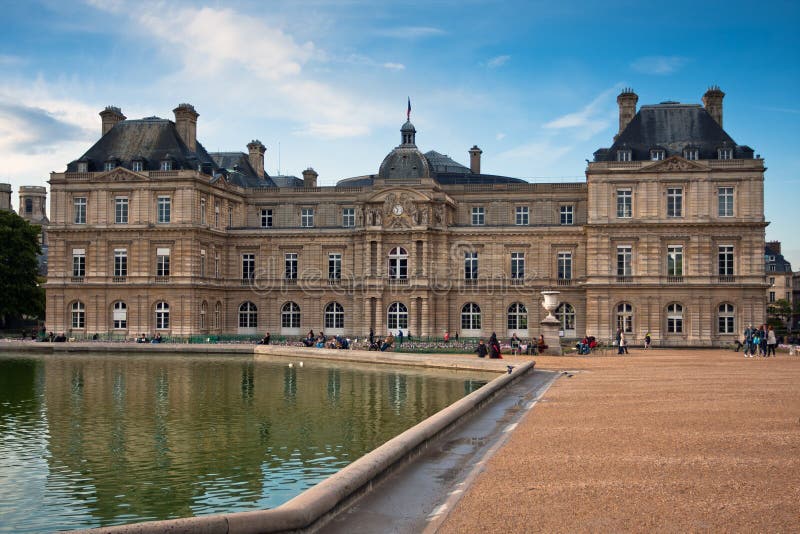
(757, 342)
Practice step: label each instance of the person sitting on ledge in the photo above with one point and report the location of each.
(481, 349)
(387, 343)
(157, 338)
(541, 344)
(265, 340)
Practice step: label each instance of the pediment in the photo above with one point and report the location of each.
(674, 163)
(121, 174)
(398, 192)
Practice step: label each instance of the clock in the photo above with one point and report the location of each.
(397, 210)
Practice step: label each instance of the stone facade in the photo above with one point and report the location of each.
(195, 243)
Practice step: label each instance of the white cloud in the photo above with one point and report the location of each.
(497, 61)
(593, 118)
(659, 65)
(394, 66)
(500, 136)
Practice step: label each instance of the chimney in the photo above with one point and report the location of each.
(310, 177)
(5, 197)
(186, 122)
(626, 101)
(712, 101)
(774, 246)
(256, 150)
(111, 116)
(475, 159)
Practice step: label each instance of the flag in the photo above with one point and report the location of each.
(408, 111)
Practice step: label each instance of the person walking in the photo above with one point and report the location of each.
(748, 341)
(647, 341)
(772, 341)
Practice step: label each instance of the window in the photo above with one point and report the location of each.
(674, 202)
(248, 266)
(470, 265)
(202, 211)
(398, 263)
(83, 167)
(334, 266)
(203, 312)
(567, 215)
(470, 316)
(120, 262)
(564, 265)
(162, 262)
(216, 213)
(624, 203)
(216, 265)
(248, 315)
(290, 315)
(78, 262)
(565, 313)
(217, 315)
(725, 260)
(307, 217)
(771, 297)
(691, 153)
(78, 315)
(120, 316)
(28, 205)
(624, 155)
(478, 216)
(725, 153)
(266, 218)
(625, 317)
(624, 256)
(674, 319)
(348, 217)
(656, 154)
(517, 265)
(121, 210)
(772, 280)
(109, 166)
(517, 317)
(725, 201)
(164, 209)
(137, 166)
(290, 266)
(675, 260)
(334, 316)
(80, 210)
(202, 264)
(397, 317)
(166, 165)
(162, 316)
(726, 319)
(521, 216)
(230, 216)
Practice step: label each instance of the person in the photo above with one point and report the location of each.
(157, 338)
(620, 342)
(481, 349)
(400, 336)
(309, 340)
(583, 346)
(772, 341)
(408, 335)
(755, 349)
(95, 337)
(52, 336)
(647, 341)
(456, 336)
(748, 340)
(446, 336)
(387, 343)
(371, 337)
(265, 340)
(60, 338)
(739, 343)
(494, 347)
(762, 335)
(541, 346)
(515, 343)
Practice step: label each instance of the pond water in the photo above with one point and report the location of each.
(89, 441)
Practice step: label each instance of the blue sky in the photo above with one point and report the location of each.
(532, 83)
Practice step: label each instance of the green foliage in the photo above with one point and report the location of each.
(780, 309)
(20, 291)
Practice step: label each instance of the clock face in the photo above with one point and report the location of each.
(397, 210)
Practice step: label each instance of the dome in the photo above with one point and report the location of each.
(408, 127)
(405, 162)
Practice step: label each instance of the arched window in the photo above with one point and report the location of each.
(78, 315)
(625, 317)
(203, 311)
(290, 315)
(726, 318)
(217, 315)
(517, 316)
(248, 315)
(162, 316)
(397, 317)
(565, 313)
(120, 315)
(470, 316)
(334, 316)
(398, 263)
(674, 318)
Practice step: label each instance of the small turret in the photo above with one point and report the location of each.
(310, 177)
(626, 101)
(186, 123)
(256, 150)
(110, 116)
(475, 159)
(712, 101)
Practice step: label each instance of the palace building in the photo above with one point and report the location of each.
(151, 233)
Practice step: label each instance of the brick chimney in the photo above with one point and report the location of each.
(712, 101)
(475, 159)
(310, 177)
(186, 123)
(110, 116)
(257, 150)
(626, 101)
(774, 246)
(5, 197)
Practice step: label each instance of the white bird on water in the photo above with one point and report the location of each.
(301, 364)
(291, 365)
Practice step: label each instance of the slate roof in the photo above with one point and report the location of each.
(240, 172)
(673, 127)
(780, 263)
(282, 180)
(443, 163)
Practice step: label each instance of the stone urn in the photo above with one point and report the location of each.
(550, 303)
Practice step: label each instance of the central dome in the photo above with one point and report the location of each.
(405, 161)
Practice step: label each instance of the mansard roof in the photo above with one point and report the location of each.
(780, 263)
(240, 172)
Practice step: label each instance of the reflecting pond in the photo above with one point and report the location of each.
(90, 441)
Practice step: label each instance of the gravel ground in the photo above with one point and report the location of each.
(658, 441)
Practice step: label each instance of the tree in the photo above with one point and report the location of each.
(20, 292)
(779, 313)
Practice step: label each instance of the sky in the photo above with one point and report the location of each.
(325, 83)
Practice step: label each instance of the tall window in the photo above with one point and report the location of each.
(521, 216)
(771, 297)
(120, 262)
(28, 205)
(674, 202)
(348, 217)
(248, 315)
(78, 262)
(290, 265)
(137, 166)
(565, 313)
(656, 155)
(334, 316)
(624, 257)
(624, 203)
(675, 260)
(567, 215)
(725, 153)
(202, 211)
(216, 265)
(517, 265)
(217, 315)
(203, 313)
(398, 263)
(725, 260)
(470, 265)
(478, 216)
(162, 316)
(109, 166)
(230, 216)
(625, 317)
(334, 266)
(624, 155)
(397, 317)
(120, 315)
(517, 317)
(726, 319)
(470, 316)
(216, 213)
(307, 217)
(725, 200)
(79, 203)
(83, 166)
(164, 209)
(691, 153)
(564, 265)
(674, 319)
(290, 315)
(248, 266)
(78, 315)
(162, 262)
(166, 165)
(202, 264)
(121, 210)
(266, 218)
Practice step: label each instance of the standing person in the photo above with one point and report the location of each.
(647, 341)
(620, 342)
(772, 341)
(748, 340)
(762, 333)
(371, 337)
(446, 336)
(481, 349)
(399, 337)
(456, 336)
(515, 343)
(494, 347)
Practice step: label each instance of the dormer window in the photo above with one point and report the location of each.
(83, 166)
(624, 155)
(109, 166)
(725, 153)
(656, 154)
(691, 153)
(166, 165)
(137, 165)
